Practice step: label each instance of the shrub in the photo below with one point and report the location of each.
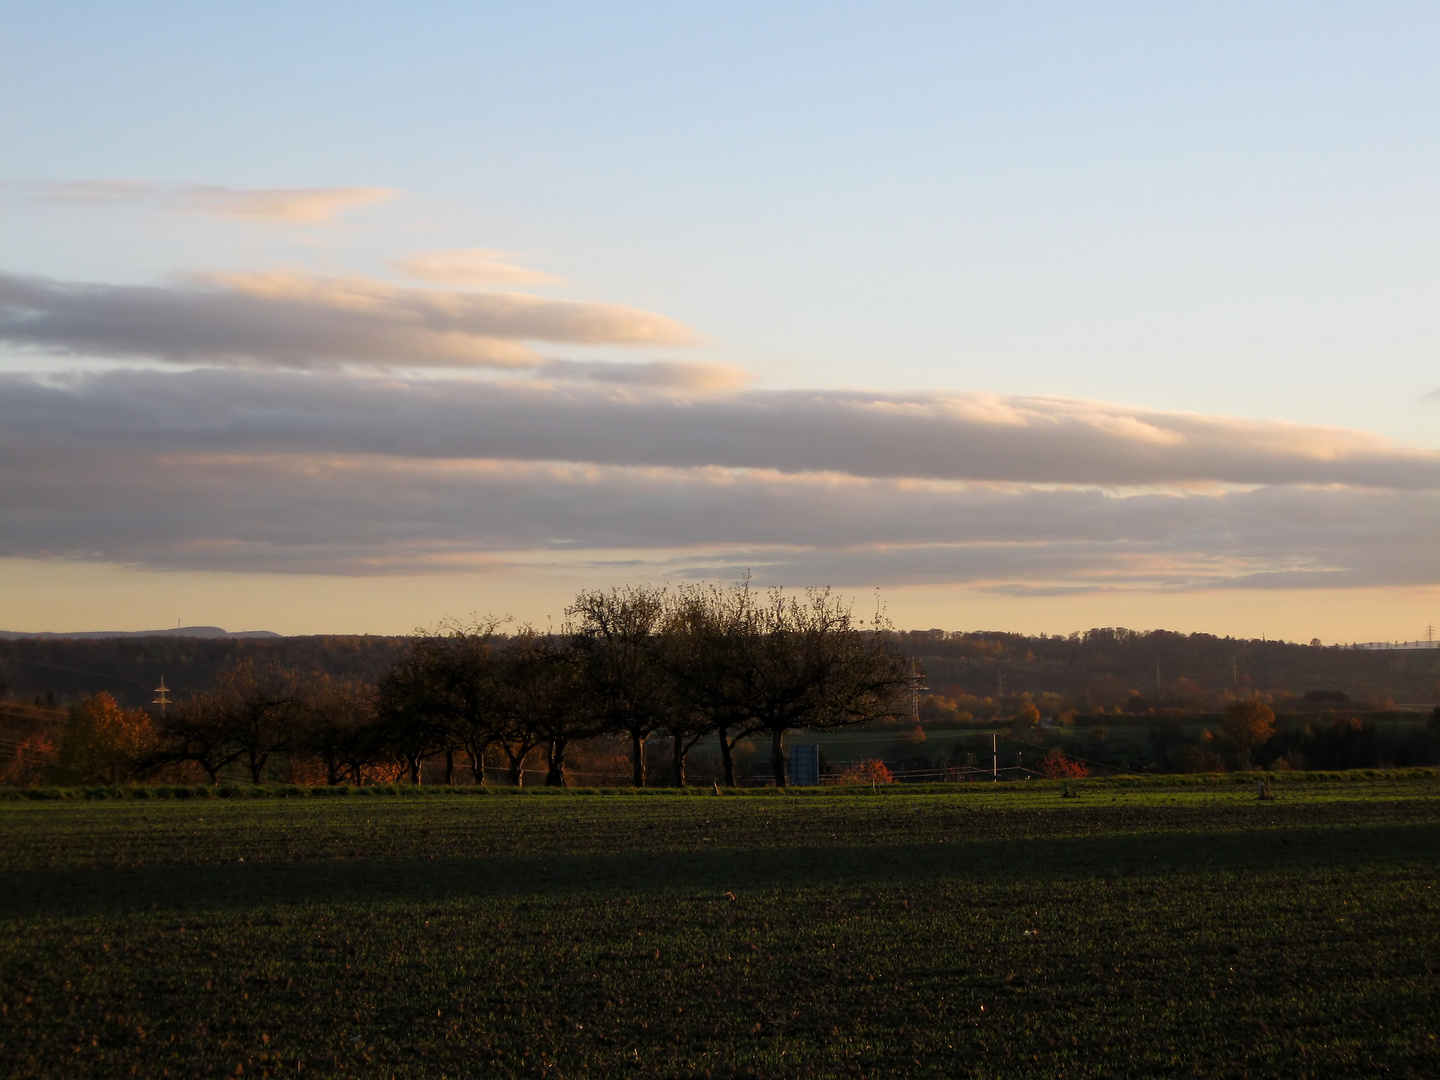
(1056, 766)
(873, 771)
(33, 757)
(1247, 724)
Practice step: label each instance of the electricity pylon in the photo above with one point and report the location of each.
(162, 696)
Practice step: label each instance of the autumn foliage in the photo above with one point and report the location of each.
(873, 771)
(105, 744)
(32, 757)
(1056, 766)
(1247, 724)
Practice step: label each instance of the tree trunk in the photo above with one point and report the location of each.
(477, 763)
(726, 760)
(449, 767)
(257, 766)
(517, 769)
(556, 776)
(637, 758)
(415, 761)
(678, 751)
(777, 755)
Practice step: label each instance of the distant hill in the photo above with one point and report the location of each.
(179, 631)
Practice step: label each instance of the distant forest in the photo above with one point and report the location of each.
(983, 674)
(1146, 672)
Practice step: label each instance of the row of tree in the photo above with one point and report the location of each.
(686, 665)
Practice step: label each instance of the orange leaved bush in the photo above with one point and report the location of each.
(104, 743)
(1056, 766)
(33, 758)
(873, 771)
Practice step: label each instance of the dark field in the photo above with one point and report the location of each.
(990, 931)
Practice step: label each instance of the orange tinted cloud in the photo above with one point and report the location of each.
(470, 267)
(289, 205)
(293, 320)
(300, 206)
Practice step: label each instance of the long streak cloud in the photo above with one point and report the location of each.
(292, 321)
(970, 437)
(337, 473)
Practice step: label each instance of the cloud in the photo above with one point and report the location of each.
(254, 471)
(295, 321)
(470, 267)
(303, 206)
(953, 437)
(307, 206)
(692, 376)
(317, 514)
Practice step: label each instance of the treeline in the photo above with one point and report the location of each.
(1231, 739)
(986, 675)
(698, 663)
(59, 671)
(981, 675)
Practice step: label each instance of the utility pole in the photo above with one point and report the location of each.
(994, 758)
(162, 696)
(1234, 672)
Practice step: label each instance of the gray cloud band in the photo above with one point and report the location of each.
(367, 516)
(298, 322)
(264, 471)
(954, 437)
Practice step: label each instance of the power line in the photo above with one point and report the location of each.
(75, 670)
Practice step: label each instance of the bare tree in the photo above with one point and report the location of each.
(807, 665)
(259, 707)
(700, 652)
(775, 662)
(546, 700)
(411, 707)
(339, 727)
(196, 729)
(615, 643)
(702, 660)
(455, 681)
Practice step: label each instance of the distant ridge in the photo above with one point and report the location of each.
(179, 631)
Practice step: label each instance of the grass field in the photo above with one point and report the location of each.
(1138, 930)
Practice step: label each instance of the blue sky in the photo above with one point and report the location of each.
(1228, 210)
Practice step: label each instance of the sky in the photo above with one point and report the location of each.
(350, 317)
